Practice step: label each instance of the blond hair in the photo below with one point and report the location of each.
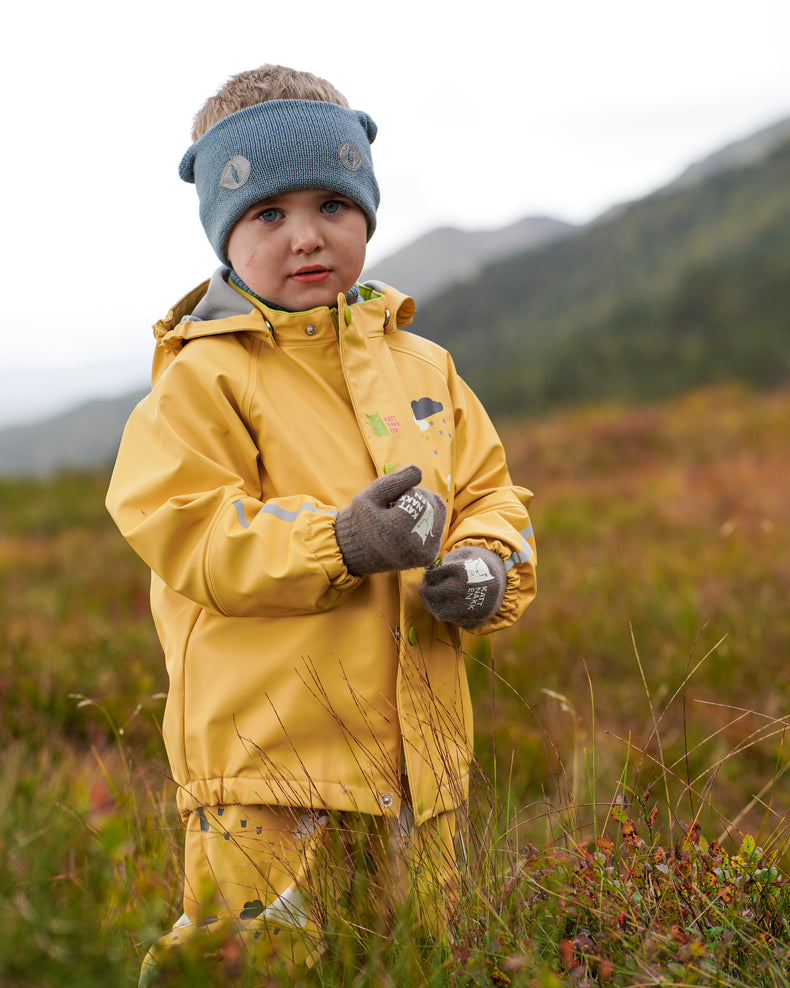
(259, 85)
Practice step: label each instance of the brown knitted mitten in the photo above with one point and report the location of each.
(467, 588)
(391, 525)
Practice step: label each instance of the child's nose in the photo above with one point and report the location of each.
(307, 236)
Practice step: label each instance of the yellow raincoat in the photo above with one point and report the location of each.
(292, 681)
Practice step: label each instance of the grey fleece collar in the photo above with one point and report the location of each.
(222, 300)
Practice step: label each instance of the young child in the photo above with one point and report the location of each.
(324, 505)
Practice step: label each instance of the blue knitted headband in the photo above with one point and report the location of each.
(280, 146)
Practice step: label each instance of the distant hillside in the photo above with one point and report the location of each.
(682, 288)
(85, 438)
(33, 393)
(443, 257)
(749, 151)
(685, 287)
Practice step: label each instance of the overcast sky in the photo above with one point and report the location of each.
(487, 113)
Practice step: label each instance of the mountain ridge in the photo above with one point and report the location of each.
(85, 437)
(449, 255)
(711, 220)
(633, 306)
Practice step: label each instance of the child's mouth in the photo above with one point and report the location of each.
(309, 276)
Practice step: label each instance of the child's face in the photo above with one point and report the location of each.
(298, 250)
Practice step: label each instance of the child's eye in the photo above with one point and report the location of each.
(270, 215)
(333, 206)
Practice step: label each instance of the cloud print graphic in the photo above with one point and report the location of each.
(423, 408)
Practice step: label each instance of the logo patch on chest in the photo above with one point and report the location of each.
(386, 425)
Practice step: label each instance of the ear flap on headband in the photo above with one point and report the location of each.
(369, 124)
(186, 169)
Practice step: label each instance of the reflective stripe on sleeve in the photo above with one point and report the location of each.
(525, 552)
(278, 512)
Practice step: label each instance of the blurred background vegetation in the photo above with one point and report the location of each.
(663, 533)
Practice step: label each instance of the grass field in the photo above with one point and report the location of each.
(629, 821)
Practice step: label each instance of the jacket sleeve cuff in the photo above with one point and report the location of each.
(325, 550)
(520, 588)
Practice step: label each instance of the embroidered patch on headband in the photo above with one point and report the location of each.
(349, 156)
(235, 173)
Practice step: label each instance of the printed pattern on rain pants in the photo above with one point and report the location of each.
(270, 888)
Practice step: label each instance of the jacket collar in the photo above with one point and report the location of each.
(215, 307)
